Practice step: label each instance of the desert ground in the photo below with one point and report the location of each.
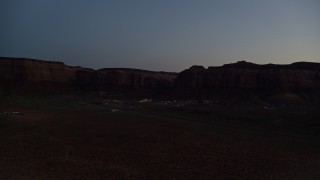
(69, 137)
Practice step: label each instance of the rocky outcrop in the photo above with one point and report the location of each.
(297, 82)
(127, 78)
(28, 75)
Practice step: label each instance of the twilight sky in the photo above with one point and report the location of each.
(168, 35)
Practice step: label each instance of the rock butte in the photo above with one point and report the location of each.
(241, 81)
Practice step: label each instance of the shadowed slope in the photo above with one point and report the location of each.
(20, 75)
(295, 82)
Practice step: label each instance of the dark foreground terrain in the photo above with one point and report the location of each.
(88, 138)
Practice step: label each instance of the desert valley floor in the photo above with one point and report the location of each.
(86, 138)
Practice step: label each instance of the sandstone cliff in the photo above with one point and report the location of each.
(241, 81)
(27, 75)
(295, 82)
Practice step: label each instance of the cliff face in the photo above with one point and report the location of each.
(126, 78)
(240, 81)
(28, 75)
(297, 82)
(21, 75)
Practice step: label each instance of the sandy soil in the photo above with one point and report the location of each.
(134, 145)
